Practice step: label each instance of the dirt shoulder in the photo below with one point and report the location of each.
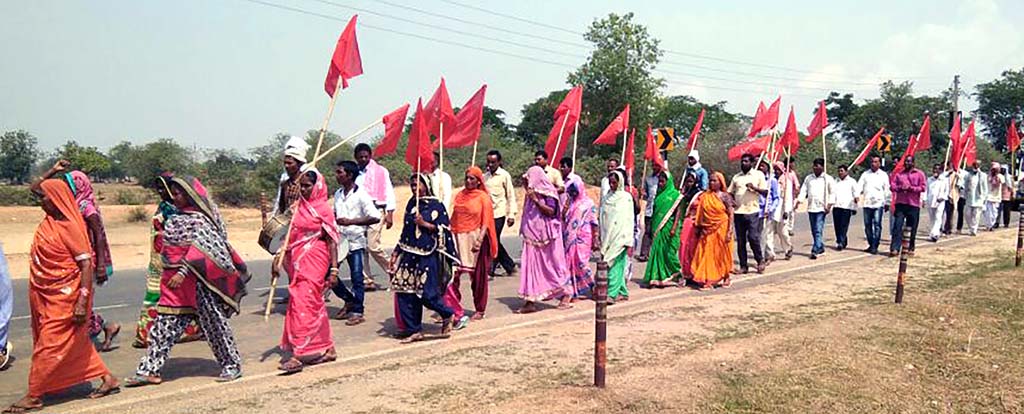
(827, 340)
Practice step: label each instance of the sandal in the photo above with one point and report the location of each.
(229, 376)
(327, 356)
(291, 366)
(15, 408)
(446, 328)
(355, 320)
(103, 392)
(416, 337)
(477, 316)
(141, 381)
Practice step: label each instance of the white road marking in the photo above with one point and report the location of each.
(97, 308)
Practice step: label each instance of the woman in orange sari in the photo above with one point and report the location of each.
(477, 242)
(712, 259)
(60, 297)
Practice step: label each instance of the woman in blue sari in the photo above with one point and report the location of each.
(423, 262)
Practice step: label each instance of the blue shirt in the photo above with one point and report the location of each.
(702, 176)
(770, 202)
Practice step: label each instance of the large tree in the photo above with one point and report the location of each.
(18, 152)
(681, 112)
(900, 112)
(537, 119)
(999, 101)
(618, 72)
(87, 159)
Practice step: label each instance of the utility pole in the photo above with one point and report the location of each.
(956, 94)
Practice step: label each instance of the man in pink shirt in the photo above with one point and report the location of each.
(907, 186)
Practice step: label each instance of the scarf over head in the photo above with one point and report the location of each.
(536, 228)
(313, 216)
(665, 204)
(472, 210)
(81, 186)
(616, 220)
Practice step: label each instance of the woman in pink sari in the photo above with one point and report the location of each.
(689, 236)
(310, 264)
(544, 274)
(580, 225)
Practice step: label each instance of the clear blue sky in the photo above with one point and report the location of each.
(231, 73)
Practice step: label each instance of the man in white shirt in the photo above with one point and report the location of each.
(874, 196)
(935, 200)
(778, 219)
(354, 210)
(503, 198)
(746, 189)
(994, 199)
(442, 183)
(540, 159)
(845, 207)
(973, 190)
(818, 192)
(375, 180)
(648, 193)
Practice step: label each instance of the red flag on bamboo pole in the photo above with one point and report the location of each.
(790, 137)
(345, 63)
(752, 146)
(418, 153)
(955, 142)
(651, 151)
(691, 144)
(438, 111)
(630, 162)
(970, 151)
(466, 128)
(566, 116)
(912, 144)
(924, 136)
(755, 126)
(771, 117)
(1012, 137)
(394, 122)
(819, 122)
(867, 148)
(619, 124)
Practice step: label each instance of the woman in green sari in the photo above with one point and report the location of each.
(663, 259)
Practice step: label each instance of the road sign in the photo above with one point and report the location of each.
(666, 139)
(884, 143)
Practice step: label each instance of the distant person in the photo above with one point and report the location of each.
(541, 159)
(565, 170)
(611, 165)
(974, 190)
(310, 259)
(994, 198)
(354, 211)
(442, 184)
(778, 224)
(648, 192)
(790, 184)
(818, 192)
(907, 186)
(847, 192)
(874, 196)
(503, 199)
(768, 204)
(579, 227)
(694, 168)
(746, 188)
(60, 297)
(1006, 206)
(376, 181)
(935, 199)
(6, 307)
(472, 221)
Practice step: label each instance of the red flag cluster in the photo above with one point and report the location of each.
(651, 152)
(418, 154)
(818, 124)
(1012, 137)
(630, 158)
(394, 122)
(439, 111)
(567, 115)
(345, 63)
(467, 122)
(765, 119)
(790, 137)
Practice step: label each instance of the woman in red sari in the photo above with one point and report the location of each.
(472, 221)
(312, 254)
(60, 298)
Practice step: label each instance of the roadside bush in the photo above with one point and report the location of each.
(129, 198)
(137, 214)
(16, 195)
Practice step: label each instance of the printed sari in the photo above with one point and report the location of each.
(580, 220)
(307, 328)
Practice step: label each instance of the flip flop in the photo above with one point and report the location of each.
(292, 366)
(15, 408)
(416, 337)
(140, 381)
(100, 392)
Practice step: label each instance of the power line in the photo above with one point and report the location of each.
(513, 17)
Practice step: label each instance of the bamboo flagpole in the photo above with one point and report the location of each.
(558, 142)
(340, 143)
(473, 162)
(575, 138)
(622, 160)
(327, 119)
(440, 153)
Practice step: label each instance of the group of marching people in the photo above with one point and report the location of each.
(685, 235)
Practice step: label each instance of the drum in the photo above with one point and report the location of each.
(273, 233)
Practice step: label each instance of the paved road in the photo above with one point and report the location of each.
(119, 302)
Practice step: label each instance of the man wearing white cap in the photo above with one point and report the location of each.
(288, 191)
(697, 170)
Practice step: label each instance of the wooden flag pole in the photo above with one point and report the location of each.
(327, 119)
(342, 142)
(824, 157)
(277, 265)
(558, 142)
(472, 163)
(575, 138)
(622, 159)
(440, 153)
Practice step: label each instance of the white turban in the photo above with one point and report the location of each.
(296, 148)
(695, 155)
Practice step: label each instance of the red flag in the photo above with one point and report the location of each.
(630, 162)
(619, 124)
(970, 151)
(345, 63)
(566, 116)
(394, 122)
(924, 136)
(691, 144)
(912, 144)
(955, 142)
(418, 153)
(867, 148)
(571, 104)
(790, 138)
(1012, 137)
(466, 128)
(752, 146)
(755, 126)
(439, 111)
(651, 150)
(819, 122)
(771, 117)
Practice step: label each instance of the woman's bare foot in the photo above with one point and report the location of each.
(291, 366)
(108, 387)
(416, 337)
(564, 304)
(25, 404)
(109, 334)
(529, 307)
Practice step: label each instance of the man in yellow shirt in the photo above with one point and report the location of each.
(745, 188)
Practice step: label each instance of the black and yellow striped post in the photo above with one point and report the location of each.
(601, 323)
(901, 277)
